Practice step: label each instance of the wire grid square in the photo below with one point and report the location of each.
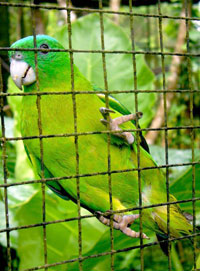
(162, 54)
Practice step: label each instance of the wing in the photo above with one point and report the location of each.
(117, 106)
(53, 185)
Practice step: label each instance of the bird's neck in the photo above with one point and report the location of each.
(59, 82)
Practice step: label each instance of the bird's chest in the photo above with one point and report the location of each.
(55, 118)
(48, 115)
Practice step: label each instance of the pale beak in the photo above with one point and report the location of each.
(22, 73)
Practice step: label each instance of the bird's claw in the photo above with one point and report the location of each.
(104, 111)
(114, 123)
(122, 223)
(104, 122)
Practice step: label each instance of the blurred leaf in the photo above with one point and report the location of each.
(181, 188)
(62, 238)
(121, 241)
(175, 259)
(10, 150)
(198, 262)
(23, 169)
(181, 176)
(119, 66)
(12, 223)
(175, 156)
(10, 162)
(8, 124)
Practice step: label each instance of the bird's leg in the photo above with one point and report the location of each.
(122, 223)
(114, 123)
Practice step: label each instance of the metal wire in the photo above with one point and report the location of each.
(137, 132)
(4, 158)
(108, 135)
(75, 138)
(100, 51)
(166, 132)
(38, 103)
(187, 4)
(109, 172)
(113, 212)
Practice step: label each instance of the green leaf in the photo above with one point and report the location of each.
(23, 169)
(62, 238)
(13, 234)
(175, 156)
(181, 177)
(121, 241)
(181, 188)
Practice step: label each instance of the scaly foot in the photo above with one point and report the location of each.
(122, 223)
(114, 123)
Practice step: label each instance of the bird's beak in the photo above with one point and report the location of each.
(22, 73)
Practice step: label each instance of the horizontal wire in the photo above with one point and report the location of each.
(98, 11)
(43, 93)
(44, 180)
(112, 252)
(102, 213)
(99, 51)
(97, 133)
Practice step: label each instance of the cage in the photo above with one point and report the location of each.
(145, 54)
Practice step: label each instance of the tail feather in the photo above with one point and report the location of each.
(162, 239)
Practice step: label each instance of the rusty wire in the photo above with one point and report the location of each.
(166, 131)
(4, 158)
(38, 103)
(187, 3)
(75, 138)
(162, 54)
(137, 132)
(108, 135)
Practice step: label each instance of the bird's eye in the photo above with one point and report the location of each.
(44, 46)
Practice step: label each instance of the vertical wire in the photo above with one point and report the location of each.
(166, 134)
(4, 156)
(187, 5)
(156, 42)
(148, 24)
(76, 136)
(137, 134)
(38, 104)
(108, 135)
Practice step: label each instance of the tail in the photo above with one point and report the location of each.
(181, 226)
(162, 239)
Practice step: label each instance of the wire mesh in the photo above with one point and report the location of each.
(109, 173)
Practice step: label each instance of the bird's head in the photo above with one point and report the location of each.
(50, 64)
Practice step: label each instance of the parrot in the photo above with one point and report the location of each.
(62, 115)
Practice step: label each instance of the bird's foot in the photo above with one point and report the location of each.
(114, 123)
(122, 223)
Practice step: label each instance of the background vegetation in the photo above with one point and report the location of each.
(25, 201)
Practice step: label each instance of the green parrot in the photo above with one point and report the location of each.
(59, 153)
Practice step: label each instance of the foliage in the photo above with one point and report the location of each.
(147, 38)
